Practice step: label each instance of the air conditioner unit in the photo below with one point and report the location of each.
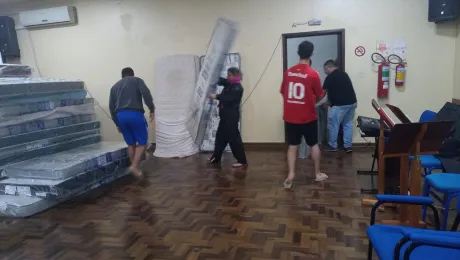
(65, 15)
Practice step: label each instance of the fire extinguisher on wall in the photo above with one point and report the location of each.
(383, 84)
(400, 75)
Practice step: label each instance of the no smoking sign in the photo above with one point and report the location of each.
(360, 51)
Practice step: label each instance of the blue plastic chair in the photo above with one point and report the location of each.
(406, 243)
(427, 116)
(429, 162)
(445, 183)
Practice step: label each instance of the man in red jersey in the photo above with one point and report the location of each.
(301, 88)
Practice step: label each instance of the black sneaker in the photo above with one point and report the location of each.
(213, 160)
(347, 150)
(330, 149)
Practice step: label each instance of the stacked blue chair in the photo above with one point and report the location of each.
(429, 162)
(445, 183)
(407, 243)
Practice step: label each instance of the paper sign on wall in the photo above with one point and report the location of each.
(399, 48)
(383, 48)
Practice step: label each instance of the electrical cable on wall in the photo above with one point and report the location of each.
(97, 103)
(263, 72)
(39, 74)
(33, 53)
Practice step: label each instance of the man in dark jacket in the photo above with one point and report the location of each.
(229, 113)
(127, 111)
(343, 102)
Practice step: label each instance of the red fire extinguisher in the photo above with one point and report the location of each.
(384, 80)
(400, 75)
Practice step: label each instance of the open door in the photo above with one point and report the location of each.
(328, 45)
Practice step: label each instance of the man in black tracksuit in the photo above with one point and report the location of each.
(229, 113)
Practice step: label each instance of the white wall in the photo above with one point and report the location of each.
(456, 92)
(115, 34)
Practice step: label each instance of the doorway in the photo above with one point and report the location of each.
(328, 44)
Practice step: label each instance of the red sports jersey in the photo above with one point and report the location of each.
(300, 88)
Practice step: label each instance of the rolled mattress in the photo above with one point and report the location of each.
(176, 77)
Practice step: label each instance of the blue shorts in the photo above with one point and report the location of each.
(133, 127)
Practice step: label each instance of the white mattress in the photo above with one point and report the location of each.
(221, 42)
(175, 81)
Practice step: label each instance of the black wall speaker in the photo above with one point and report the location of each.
(443, 10)
(9, 46)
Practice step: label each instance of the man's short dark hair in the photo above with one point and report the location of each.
(127, 72)
(330, 63)
(305, 50)
(234, 71)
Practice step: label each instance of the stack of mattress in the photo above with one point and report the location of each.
(50, 145)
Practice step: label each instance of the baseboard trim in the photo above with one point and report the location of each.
(282, 146)
(264, 146)
(456, 101)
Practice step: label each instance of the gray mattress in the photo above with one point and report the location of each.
(19, 149)
(60, 189)
(26, 206)
(48, 133)
(69, 163)
(14, 70)
(37, 151)
(30, 108)
(26, 99)
(20, 86)
(39, 125)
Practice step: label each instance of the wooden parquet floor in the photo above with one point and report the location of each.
(190, 210)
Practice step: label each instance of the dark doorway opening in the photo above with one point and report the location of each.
(329, 44)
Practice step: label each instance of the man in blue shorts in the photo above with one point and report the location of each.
(127, 112)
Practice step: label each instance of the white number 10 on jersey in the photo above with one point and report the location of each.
(296, 91)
